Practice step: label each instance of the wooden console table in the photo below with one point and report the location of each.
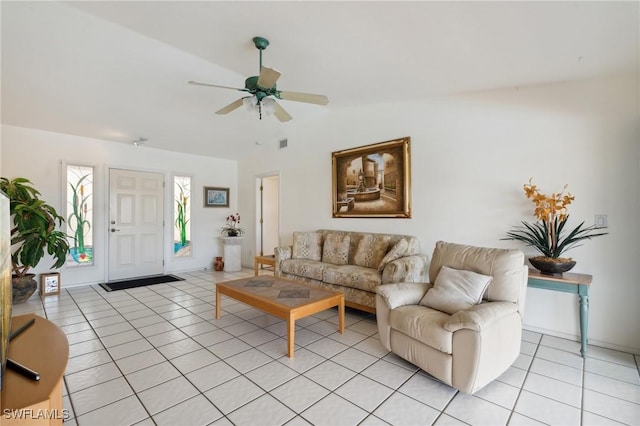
(568, 283)
(43, 347)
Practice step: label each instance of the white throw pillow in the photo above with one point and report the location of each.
(456, 290)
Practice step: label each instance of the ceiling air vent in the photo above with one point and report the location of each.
(283, 143)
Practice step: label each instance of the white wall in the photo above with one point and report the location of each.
(470, 156)
(37, 155)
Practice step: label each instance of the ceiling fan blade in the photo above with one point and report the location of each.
(232, 106)
(197, 83)
(268, 77)
(281, 114)
(304, 97)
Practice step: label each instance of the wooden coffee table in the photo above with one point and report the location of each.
(286, 299)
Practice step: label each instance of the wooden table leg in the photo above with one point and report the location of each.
(255, 267)
(291, 335)
(341, 314)
(583, 293)
(218, 299)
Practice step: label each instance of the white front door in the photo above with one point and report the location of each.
(136, 243)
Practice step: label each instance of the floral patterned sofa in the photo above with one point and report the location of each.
(354, 263)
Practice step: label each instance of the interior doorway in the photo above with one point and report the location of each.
(136, 224)
(267, 214)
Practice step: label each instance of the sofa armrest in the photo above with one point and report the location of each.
(408, 269)
(401, 294)
(281, 253)
(479, 317)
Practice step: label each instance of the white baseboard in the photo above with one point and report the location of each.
(575, 338)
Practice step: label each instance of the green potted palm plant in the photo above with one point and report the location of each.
(548, 235)
(33, 231)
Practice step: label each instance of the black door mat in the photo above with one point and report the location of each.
(140, 282)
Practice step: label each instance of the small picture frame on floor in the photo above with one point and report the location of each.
(50, 284)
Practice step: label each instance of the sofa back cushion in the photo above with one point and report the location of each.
(371, 250)
(504, 265)
(307, 245)
(335, 249)
(413, 242)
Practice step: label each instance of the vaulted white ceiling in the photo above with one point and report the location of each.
(118, 70)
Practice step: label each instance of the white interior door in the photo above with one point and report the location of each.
(136, 222)
(268, 214)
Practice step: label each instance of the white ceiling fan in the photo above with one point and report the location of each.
(263, 92)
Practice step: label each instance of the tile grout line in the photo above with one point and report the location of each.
(114, 362)
(198, 291)
(142, 338)
(169, 360)
(524, 380)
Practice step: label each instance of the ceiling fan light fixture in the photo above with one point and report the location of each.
(268, 106)
(250, 103)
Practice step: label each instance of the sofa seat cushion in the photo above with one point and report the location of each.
(352, 276)
(423, 324)
(303, 268)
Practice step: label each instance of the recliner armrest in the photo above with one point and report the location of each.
(401, 294)
(479, 317)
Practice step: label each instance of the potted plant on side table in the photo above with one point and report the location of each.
(231, 228)
(548, 235)
(33, 231)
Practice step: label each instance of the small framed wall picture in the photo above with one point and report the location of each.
(216, 197)
(50, 284)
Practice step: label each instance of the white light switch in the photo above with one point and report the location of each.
(601, 221)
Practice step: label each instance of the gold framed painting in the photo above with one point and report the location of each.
(373, 180)
(50, 284)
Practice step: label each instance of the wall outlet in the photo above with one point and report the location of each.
(601, 221)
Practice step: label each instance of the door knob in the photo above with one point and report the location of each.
(113, 222)
(114, 230)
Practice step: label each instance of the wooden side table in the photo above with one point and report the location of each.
(263, 260)
(43, 347)
(568, 283)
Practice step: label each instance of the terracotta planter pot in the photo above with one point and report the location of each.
(218, 265)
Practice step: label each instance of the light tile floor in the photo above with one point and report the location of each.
(156, 355)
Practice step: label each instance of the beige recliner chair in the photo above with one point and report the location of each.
(463, 333)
